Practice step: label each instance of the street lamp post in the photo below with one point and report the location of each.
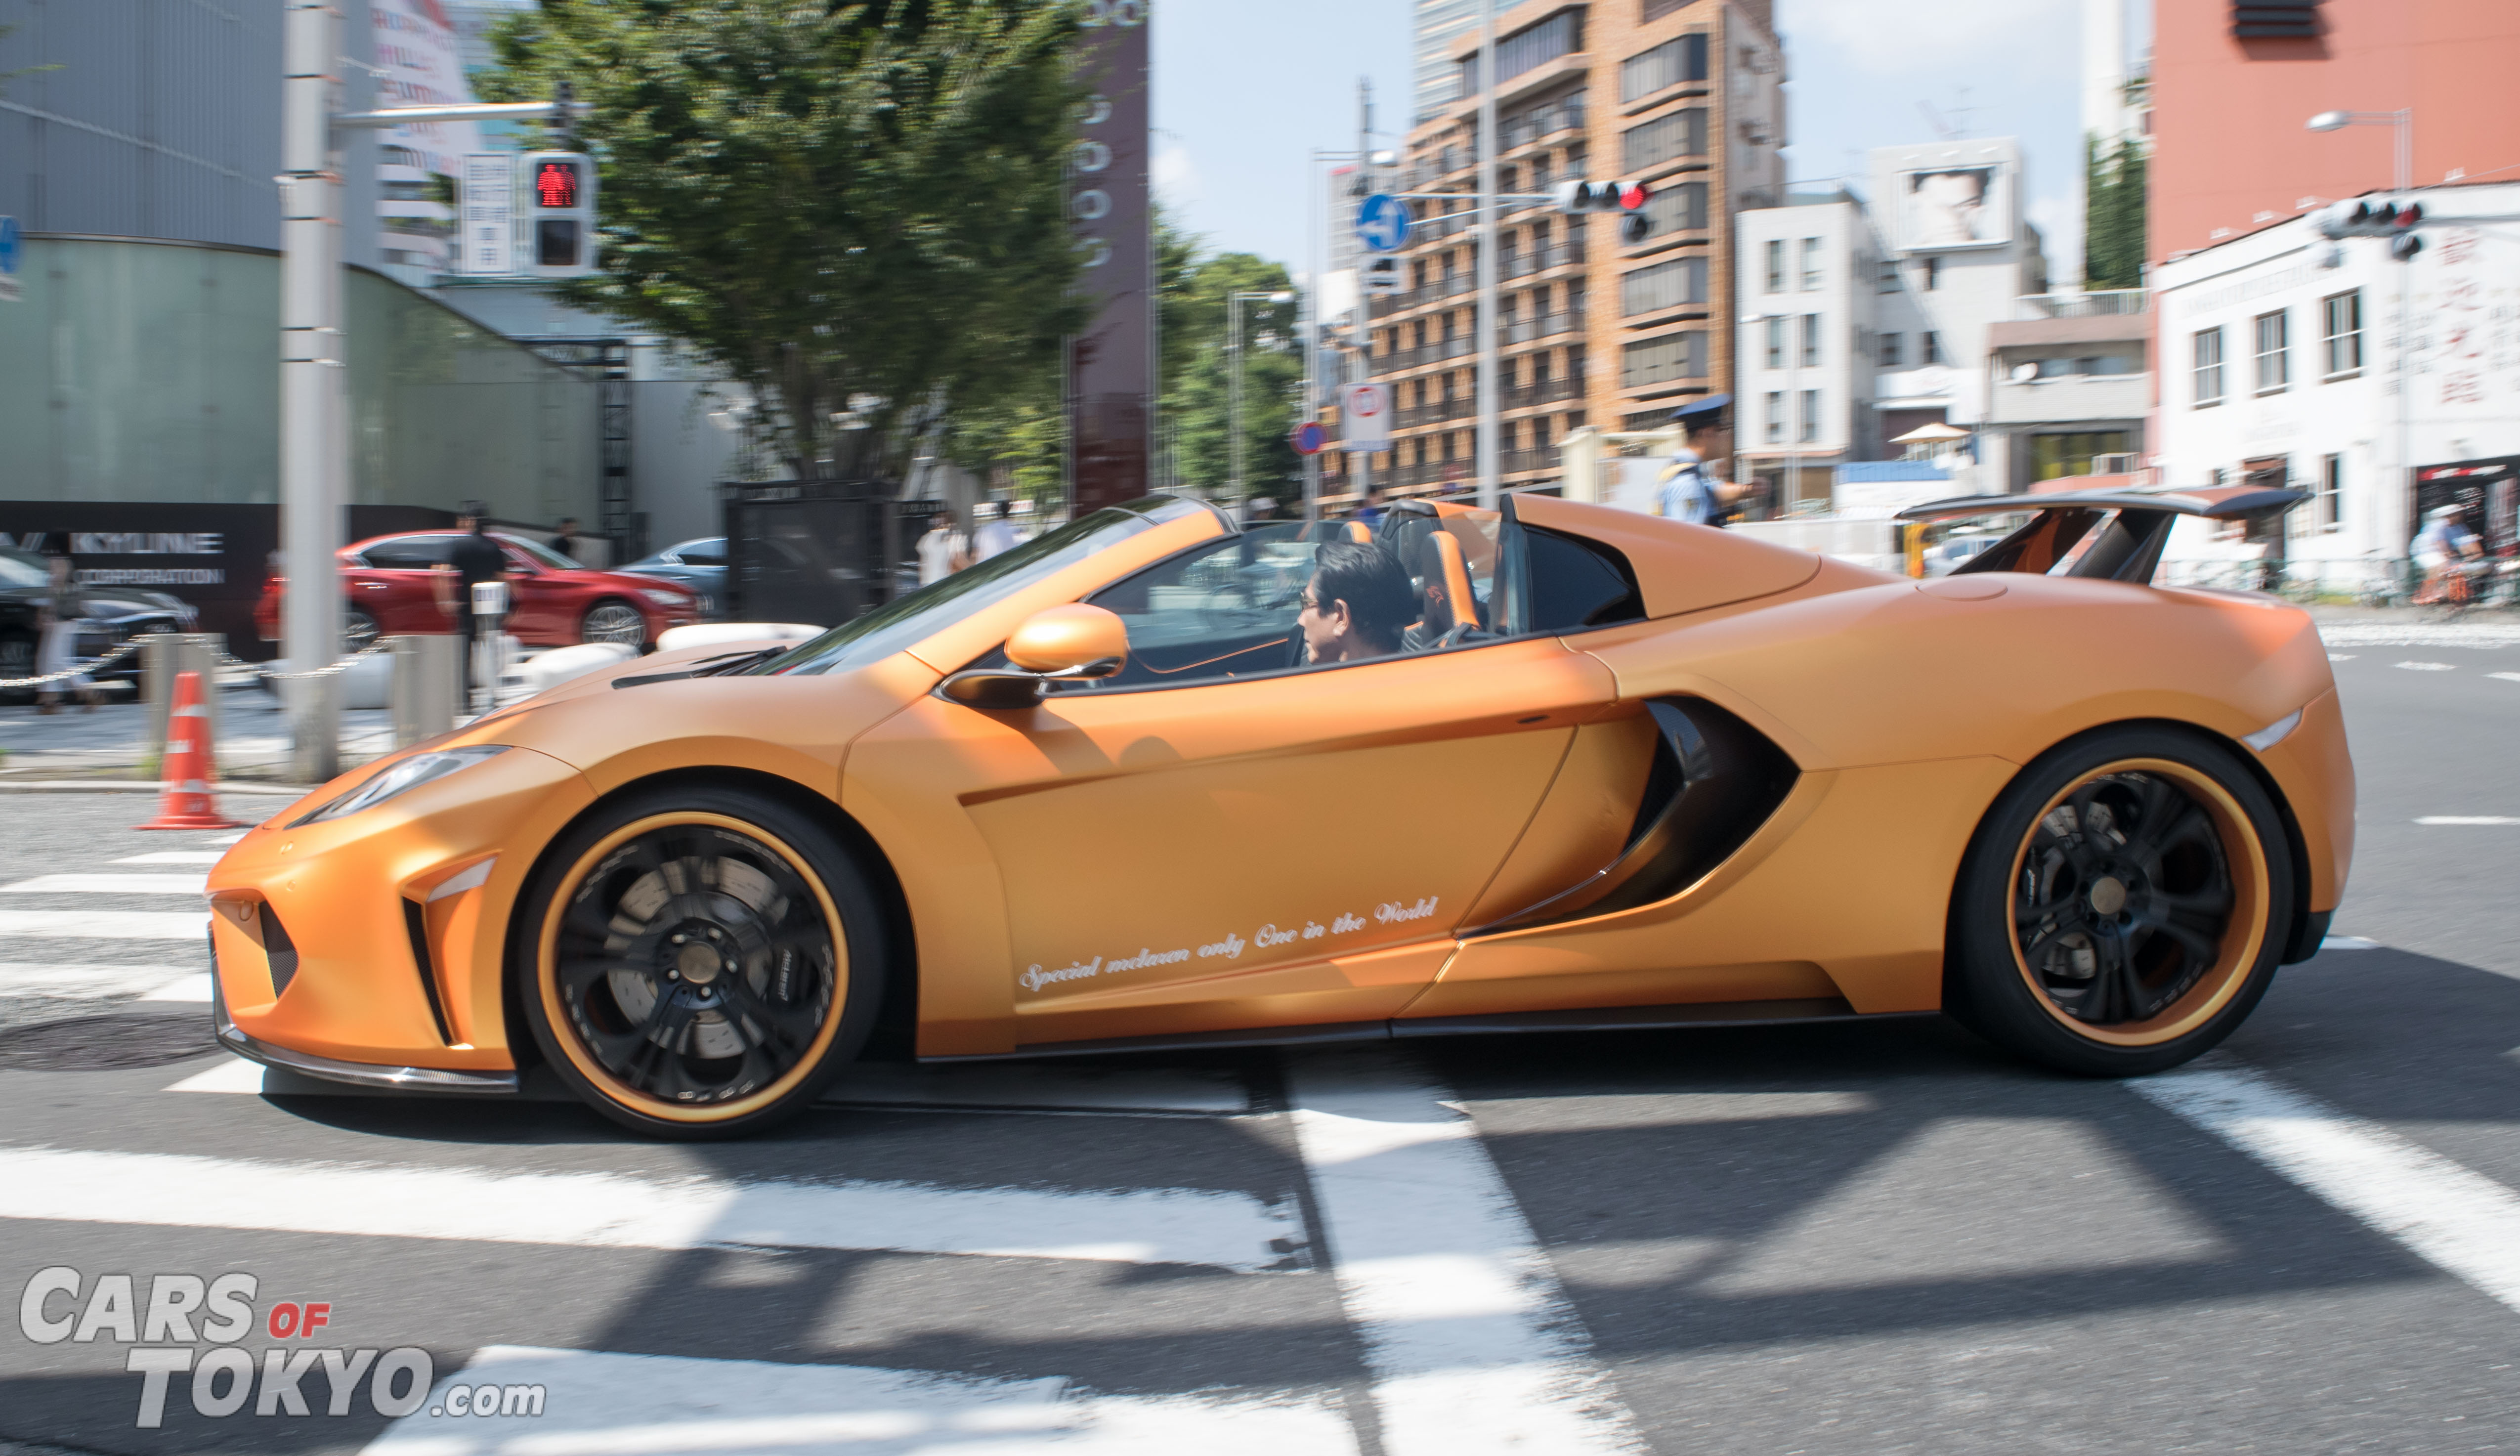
(2404, 173)
(1233, 444)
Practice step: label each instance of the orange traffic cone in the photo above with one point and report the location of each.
(188, 803)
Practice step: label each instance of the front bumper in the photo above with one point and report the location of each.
(356, 1073)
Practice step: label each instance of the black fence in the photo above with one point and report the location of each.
(815, 552)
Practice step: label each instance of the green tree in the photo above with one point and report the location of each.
(853, 208)
(1197, 398)
(2113, 214)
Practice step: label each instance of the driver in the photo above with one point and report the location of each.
(1357, 605)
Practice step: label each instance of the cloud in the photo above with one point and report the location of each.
(1937, 38)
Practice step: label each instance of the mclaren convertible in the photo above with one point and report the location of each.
(1594, 770)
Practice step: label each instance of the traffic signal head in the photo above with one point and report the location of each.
(556, 214)
(2406, 245)
(2370, 217)
(1602, 197)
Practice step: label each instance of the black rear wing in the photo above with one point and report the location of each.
(2128, 548)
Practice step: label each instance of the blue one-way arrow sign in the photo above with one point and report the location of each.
(1382, 223)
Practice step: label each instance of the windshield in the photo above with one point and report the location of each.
(541, 555)
(891, 627)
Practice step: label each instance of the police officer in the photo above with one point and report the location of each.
(1691, 490)
(471, 558)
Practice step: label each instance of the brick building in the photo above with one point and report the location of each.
(1685, 95)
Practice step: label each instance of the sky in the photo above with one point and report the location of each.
(1244, 89)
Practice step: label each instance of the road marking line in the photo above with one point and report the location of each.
(176, 856)
(227, 839)
(2350, 942)
(598, 1403)
(192, 986)
(90, 979)
(2427, 666)
(235, 1075)
(1471, 1341)
(1072, 1089)
(2342, 656)
(191, 885)
(110, 925)
(2467, 819)
(2460, 1220)
(1228, 1230)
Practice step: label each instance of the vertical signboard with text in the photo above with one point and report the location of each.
(1111, 365)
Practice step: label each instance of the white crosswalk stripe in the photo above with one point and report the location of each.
(602, 1404)
(175, 856)
(1227, 1230)
(90, 979)
(105, 925)
(134, 884)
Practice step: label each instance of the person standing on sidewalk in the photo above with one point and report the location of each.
(1691, 490)
(472, 558)
(996, 535)
(57, 649)
(943, 551)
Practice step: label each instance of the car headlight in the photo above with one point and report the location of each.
(665, 598)
(402, 778)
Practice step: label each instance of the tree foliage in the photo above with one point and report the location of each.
(850, 207)
(2113, 214)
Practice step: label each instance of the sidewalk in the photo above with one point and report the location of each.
(110, 742)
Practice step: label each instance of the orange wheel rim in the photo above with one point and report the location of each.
(2138, 901)
(693, 967)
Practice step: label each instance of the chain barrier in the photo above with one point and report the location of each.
(80, 669)
(340, 666)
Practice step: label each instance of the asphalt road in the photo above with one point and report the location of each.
(1852, 1238)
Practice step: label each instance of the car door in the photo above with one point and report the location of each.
(541, 604)
(1221, 841)
(391, 581)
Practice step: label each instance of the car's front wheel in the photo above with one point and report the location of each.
(2123, 906)
(613, 620)
(702, 961)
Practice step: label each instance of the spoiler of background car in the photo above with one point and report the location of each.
(2128, 548)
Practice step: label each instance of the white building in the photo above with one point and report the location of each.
(1955, 254)
(2281, 358)
(1803, 381)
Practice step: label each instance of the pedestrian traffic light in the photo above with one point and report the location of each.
(556, 214)
(2371, 217)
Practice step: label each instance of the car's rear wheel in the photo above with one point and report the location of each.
(2123, 906)
(359, 631)
(701, 960)
(613, 620)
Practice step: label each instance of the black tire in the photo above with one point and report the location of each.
(613, 619)
(2128, 942)
(750, 997)
(359, 631)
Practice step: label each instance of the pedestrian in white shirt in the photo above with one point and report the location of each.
(995, 536)
(943, 551)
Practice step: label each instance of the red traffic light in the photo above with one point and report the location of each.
(1633, 195)
(556, 185)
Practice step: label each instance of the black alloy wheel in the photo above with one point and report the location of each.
(2124, 904)
(703, 962)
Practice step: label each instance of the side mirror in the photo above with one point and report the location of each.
(1061, 644)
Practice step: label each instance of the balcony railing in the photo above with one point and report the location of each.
(2108, 304)
(1511, 462)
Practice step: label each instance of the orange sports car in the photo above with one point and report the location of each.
(1157, 780)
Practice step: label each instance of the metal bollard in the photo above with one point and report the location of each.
(162, 654)
(428, 679)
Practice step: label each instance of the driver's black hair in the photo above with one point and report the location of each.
(1372, 584)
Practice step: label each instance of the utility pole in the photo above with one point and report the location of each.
(1484, 235)
(314, 363)
(1236, 449)
(1362, 461)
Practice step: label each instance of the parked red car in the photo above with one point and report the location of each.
(551, 600)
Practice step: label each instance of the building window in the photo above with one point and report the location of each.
(1810, 264)
(1676, 209)
(1934, 274)
(2208, 373)
(1528, 48)
(2340, 319)
(1673, 357)
(1655, 10)
(2331, 484)
(1671, 285)
(1671, 135)
(2274, 353)
(1894, 351)
(1775, 265)
(1775, 418)
(2054, 455)
(1930, 349)
(1775, 343)
(1887, 281)
(1670, 64)
(1810, 341)
(1808, 425)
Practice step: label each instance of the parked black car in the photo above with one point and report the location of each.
(698, 564)
(108, 616)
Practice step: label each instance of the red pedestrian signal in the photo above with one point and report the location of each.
(556, 185)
